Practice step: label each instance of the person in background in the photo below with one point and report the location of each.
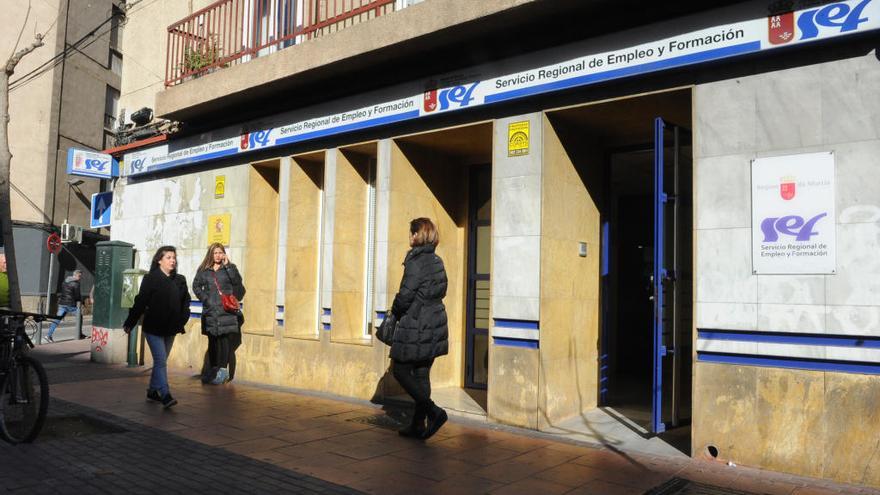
(4, 283)
(422, 333)
(163, 300)
(67, 301)
(216, 276)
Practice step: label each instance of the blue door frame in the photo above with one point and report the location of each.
(660, 276)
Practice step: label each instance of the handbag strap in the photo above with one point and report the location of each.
(216, 282)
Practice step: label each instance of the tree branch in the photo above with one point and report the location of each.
(12, 62)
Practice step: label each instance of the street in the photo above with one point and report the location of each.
(103, 437)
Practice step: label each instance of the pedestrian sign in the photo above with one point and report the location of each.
(101, 203)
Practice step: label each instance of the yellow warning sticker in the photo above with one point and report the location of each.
(518, 138)
(219, 186)
(218, 228)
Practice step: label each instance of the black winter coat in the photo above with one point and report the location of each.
(215, 320)
(70, 292)
(422, 332)
(163, 300)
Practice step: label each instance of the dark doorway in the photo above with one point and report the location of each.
(479, 265)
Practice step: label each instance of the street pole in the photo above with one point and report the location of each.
(48, 295)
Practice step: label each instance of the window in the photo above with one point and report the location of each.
(116, 62)
(111, 107)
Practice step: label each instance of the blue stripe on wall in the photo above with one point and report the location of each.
(523, 324)
(325, 311)
(530, 344)
(791, 338)
(790, 363)
(326, 326)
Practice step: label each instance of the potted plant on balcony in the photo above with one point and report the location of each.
(205, 53)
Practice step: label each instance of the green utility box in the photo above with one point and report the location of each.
(113, 258)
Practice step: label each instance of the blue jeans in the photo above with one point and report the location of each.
(62, 311)
(160, 348)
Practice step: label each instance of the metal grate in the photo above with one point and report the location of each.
(380, 420)
(75, 426)
(681, 486)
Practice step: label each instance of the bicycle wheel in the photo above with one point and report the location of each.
(24, 400)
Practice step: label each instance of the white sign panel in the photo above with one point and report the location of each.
(793, 221)
(483, 86)
(91, 164)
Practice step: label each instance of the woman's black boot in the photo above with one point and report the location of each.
(436, 418)
(416, 427)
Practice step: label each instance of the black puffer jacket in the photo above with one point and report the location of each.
(163, 300)
(215, 320)
(422, 333)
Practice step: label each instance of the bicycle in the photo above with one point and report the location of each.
(24, 386)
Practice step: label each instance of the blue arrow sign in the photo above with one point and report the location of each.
(101, 203)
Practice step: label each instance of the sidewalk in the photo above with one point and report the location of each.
(242, 438)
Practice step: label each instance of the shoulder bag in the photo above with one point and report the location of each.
(228, 301)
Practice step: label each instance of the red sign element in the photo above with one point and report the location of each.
(787, 188)
(429, 103)
(780, 28)
(53, 243)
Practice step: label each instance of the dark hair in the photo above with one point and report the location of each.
(425, 231)
(208, 262)
(158, 256)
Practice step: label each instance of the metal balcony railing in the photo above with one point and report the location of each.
(230, 32)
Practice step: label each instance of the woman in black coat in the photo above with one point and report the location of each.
(163, 300)
(422, 333)
(217, 275)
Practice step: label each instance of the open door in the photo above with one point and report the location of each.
(670, 403)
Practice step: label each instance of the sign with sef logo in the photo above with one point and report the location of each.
(91, 164)
(793, 220)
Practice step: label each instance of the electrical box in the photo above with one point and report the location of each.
(112, 259)
(71, 233)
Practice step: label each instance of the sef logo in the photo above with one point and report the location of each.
(138, 164)
(836, 15)
(254, 140)
(92, 163)
(791, 225)
(460, 96)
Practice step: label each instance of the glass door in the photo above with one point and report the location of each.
(479, 264)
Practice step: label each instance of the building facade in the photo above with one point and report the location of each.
(62, 95)
(665, 212)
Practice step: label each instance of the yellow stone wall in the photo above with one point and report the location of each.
(301, 291)
(569, 305)
(261, 248)
(811, 423)
(349, 247)
(424, 184)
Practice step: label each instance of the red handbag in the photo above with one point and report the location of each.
(229, 301)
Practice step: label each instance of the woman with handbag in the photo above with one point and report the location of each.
(421, 334)
(219, 287)
(163, 300)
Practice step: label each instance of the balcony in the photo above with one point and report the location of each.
(230, 32)
(263, 57)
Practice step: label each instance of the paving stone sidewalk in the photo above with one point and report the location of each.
(253, 439)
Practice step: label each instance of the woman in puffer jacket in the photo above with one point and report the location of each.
(422, 333)
(217, 275)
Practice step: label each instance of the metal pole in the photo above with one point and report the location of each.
(48, 295)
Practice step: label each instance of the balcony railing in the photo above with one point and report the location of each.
(230, 32)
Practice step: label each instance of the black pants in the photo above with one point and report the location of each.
(221, 351)
(415, 378)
